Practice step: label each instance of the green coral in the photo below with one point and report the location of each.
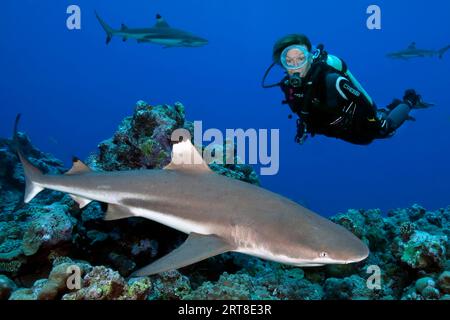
(138, 289)
(424, 251)
(162, 157)
(10, 266)
(170, 285)
(147, 147)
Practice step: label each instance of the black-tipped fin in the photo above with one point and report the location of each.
(116, 212)
(82, 202)
(186, 157)
(32, 188)
(196, 248)
(160, 22)
(78, 167)
(443, 51)
(32, 174)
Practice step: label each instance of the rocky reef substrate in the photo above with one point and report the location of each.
(46, 245)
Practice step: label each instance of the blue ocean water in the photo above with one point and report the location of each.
(73, 89)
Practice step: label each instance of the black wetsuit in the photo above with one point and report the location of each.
(328, 103)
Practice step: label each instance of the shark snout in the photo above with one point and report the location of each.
(198, 42)
(352, 250)
(359, 253)
(202, 42)
(343, 248)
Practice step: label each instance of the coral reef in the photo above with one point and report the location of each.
(423, 250)
(353, 287)
(105, 284)
(267, 281)
(144, 141)
(43, 244)
(7, 286)
(56, 285)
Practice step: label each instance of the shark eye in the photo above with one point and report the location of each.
(323, 254)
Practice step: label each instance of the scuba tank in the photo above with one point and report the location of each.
(339, 65)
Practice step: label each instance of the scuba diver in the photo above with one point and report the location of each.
(328, 100)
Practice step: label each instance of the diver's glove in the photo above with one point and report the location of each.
(414, 100)
(302, 132)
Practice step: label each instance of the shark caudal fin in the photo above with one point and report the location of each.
(442, 51)
(109, 31)
(32, 174)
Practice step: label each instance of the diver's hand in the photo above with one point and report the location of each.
(302, 139)
(302, 133)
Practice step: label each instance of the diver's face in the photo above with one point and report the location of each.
(296, 57)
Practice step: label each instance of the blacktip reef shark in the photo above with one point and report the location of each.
(219, 214)
(161, 33)
(413, 52)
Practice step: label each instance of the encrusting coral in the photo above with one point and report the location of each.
(42, 242)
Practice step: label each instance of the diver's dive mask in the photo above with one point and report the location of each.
(295, 57)
(292, 58)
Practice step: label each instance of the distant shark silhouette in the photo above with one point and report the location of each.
(161, 33)
(219, 214)
(413, 52)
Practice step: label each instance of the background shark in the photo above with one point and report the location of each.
(161, 33)
(413, 52)
(218, 213)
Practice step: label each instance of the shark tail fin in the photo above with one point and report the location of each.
(109, 31)
(32, 174)
(442, 51)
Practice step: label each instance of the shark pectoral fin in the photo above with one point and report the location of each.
(124, 28)
(78, 167)
(197, 247)
(82, 202)
(186, 157)
(116, 212)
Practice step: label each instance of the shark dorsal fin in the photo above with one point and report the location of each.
(78, 167)
(160, 22)
(185, 156)
(412, 46)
